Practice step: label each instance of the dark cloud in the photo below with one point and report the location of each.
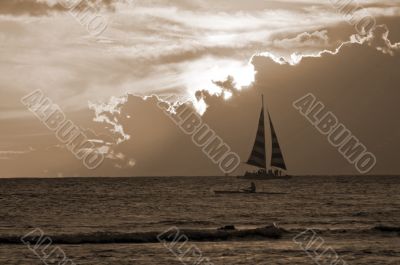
(26, 7)
(359, 84)
(37, 8)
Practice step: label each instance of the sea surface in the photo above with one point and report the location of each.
(358, 217)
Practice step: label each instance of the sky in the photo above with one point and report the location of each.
(107, 63)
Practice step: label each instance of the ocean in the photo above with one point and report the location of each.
(358, 218)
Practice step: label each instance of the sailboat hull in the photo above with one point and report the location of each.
(264, 176)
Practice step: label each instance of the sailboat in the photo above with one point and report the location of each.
(258, 158)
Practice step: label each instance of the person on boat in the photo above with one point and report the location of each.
(251, 189)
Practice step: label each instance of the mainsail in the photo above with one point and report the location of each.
(258, 157)
(276, 157)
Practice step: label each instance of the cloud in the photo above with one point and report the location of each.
(13, 154)
(106, 113)
(316, 39)
(380, 39)
(377, 38)
(153, 48)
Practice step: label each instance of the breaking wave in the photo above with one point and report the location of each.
(268, 232)
(204, 235)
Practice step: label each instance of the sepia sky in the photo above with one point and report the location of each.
(188, 49)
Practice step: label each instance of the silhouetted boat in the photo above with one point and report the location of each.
(258, 157)
(248, 193)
